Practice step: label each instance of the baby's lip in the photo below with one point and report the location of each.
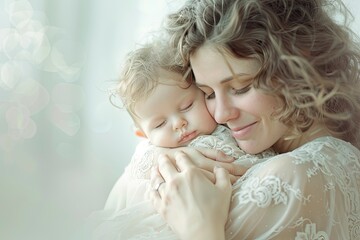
(187, 136)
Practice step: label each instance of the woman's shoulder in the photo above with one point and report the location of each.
(326, 150)
(315, 185)
(322, 158)
(319, 151)
(328, 142)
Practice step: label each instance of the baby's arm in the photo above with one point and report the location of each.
(136, 172)
(117, 197)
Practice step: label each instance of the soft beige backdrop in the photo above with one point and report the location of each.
(62, 144)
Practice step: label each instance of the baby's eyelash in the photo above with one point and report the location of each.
(187, 107)
(161, 124)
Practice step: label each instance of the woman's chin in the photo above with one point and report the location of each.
(249, 147)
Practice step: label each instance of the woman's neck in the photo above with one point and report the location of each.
(286, 145)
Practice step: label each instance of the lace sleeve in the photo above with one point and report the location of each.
(142, 161)
(130, 187)
(270, 202)
(311, 193)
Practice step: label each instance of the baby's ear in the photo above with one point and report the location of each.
(139, 133)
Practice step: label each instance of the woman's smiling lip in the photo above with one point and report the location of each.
(241, 132)
(187, 137)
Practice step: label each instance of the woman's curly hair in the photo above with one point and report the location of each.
(309, 57)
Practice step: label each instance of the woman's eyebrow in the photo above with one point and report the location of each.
(225, 80)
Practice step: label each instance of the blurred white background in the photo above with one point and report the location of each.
(62, 144)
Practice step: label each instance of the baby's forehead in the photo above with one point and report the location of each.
(169, 93)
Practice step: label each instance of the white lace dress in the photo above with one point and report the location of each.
(310, 193)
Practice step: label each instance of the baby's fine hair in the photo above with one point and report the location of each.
(141, 73)
(309, 58)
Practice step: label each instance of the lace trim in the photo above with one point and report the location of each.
(311, 233)
(142, 161)
(267, 190)
(220, 139)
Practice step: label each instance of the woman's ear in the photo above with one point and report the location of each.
(139, 133)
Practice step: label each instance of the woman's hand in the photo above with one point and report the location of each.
(207, 159)
(190, 203)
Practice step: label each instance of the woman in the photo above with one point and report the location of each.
(280, 74)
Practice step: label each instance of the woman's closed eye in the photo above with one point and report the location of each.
(209, 96)
(208, 92)
(241, 90)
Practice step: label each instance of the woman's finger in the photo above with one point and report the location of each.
(223, 161)
(155, 199)
(222, 178)
(183, 161)
(234, 169)
(215, 155)
(204, 159)
(166, 168)
(155, 178)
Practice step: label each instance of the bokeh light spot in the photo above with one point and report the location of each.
(17, 116)
(19, 11)
(69, 123)
(10, 75)
(33, 95)
(64, 59)
(9, 42)
(20, 125)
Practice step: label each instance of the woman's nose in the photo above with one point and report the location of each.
(224, 110)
